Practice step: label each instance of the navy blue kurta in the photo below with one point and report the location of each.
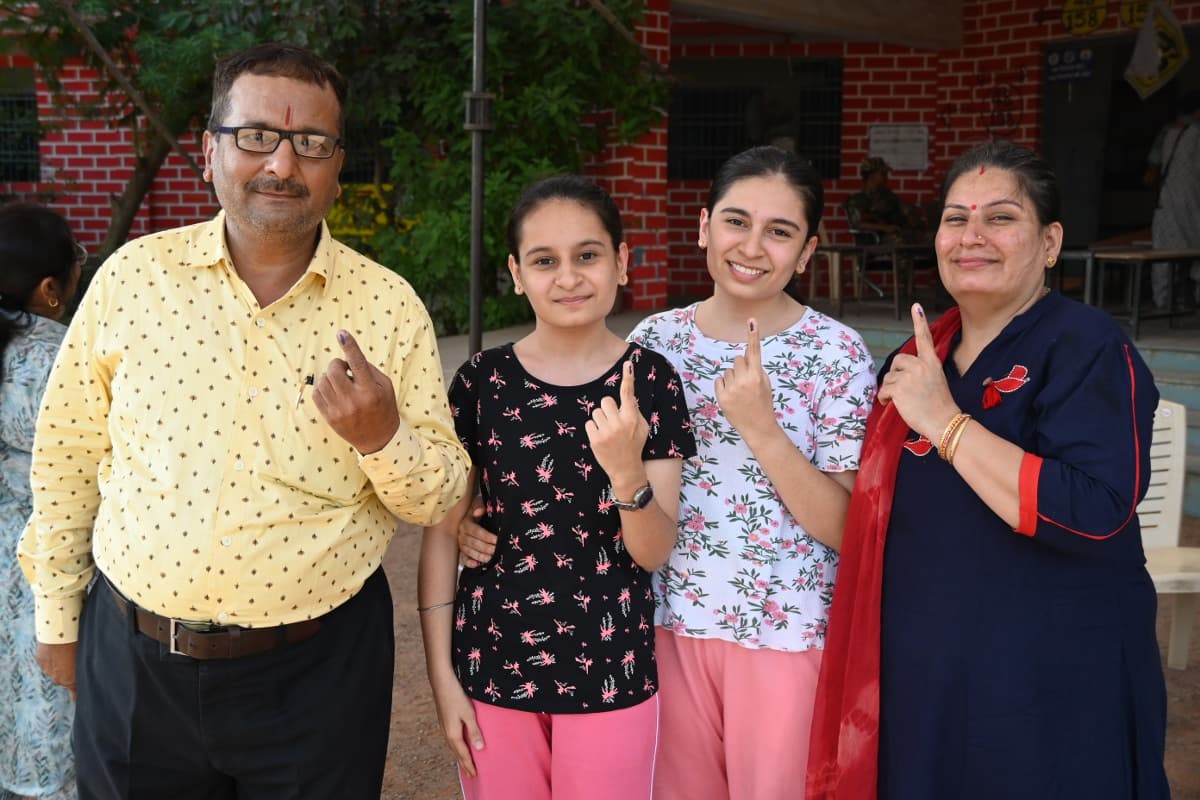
(1024, 664)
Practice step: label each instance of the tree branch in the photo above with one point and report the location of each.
(94, 44)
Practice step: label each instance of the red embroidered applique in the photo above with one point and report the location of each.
(919, 446)
(1017, 377)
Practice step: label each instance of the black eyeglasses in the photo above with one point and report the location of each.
(265, 140)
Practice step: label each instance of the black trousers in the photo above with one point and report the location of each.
(309, 720)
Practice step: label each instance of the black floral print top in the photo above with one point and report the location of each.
(561, 620)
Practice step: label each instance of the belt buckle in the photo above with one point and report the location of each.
(173, 643)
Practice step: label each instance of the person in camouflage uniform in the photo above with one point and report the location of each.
(878, 210)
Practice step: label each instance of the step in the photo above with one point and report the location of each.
(1182, 387)
(1171, 360)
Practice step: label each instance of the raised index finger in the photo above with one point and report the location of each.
(921, 335)
(753, 343)
(354, 354)
(628, 397)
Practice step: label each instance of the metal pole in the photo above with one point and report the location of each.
(479, 120)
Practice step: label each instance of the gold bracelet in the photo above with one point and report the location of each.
(423, 609)
(951, 427)
(954, 440)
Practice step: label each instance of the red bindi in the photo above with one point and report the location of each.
(287, 119)
(982, 169)
(973, 206)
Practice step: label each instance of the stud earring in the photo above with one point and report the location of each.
(517, 289)
(1050, 262)
(701, 244)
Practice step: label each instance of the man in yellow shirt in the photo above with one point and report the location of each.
(239, 412)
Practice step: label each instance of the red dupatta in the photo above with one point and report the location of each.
(843, 756)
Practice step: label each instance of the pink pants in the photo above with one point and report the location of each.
(528, 756)
(735, 721)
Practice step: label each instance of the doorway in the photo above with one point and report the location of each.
(1096, 133)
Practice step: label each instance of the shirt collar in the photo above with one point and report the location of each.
(207, 248)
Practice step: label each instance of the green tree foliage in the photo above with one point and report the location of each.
(565, 81)
(167, 49)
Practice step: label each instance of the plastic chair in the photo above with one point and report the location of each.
(1175, 570)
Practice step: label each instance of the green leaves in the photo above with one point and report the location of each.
(565, 83)
(560, 73)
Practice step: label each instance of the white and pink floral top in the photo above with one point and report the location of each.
(743, 569)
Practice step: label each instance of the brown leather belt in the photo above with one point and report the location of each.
(218, 642)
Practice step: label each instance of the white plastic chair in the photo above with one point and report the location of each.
(1174, 569)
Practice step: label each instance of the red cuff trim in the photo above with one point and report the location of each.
(1031, 470)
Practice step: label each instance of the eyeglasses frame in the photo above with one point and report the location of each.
(233, 129)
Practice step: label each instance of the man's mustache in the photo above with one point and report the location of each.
(290, 188)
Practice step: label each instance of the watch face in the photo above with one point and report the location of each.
(643, 496)
(641, 499)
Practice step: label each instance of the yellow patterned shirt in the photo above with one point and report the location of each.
(179, 450)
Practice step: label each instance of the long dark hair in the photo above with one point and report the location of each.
(35, 244)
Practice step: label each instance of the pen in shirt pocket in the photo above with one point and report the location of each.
(308, 381)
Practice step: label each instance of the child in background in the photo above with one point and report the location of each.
(542, 659)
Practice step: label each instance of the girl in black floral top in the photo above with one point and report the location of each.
(542, 664)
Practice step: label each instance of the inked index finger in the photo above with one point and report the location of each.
(628, 396)
(921, 335)
(354, 354)
(753, 343)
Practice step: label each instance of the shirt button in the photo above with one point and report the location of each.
(253, 392)
(227, 540)
(260, 322)
(222, 617)
(238, 465)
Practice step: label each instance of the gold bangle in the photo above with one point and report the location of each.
(423, 609)
(955, 440)
(951, 427)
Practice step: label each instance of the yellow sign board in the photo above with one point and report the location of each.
(1081, 17)
(1133, 12)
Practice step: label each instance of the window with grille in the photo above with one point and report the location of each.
(18, 126)
(722, 106)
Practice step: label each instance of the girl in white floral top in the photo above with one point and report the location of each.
(779, 395)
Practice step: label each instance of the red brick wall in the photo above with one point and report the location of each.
(636, 176)
(85, 162)
(954, 92)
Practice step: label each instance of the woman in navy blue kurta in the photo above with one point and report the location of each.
(1024, 664)
(997, 559)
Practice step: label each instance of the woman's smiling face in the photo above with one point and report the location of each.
(757, 238)
(990, 244)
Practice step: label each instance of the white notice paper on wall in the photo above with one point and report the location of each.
(903, 147)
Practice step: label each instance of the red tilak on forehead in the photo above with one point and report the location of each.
(287, 119)
(973, 206)
(982, 169)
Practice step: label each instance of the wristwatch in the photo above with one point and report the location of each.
(641, 499)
